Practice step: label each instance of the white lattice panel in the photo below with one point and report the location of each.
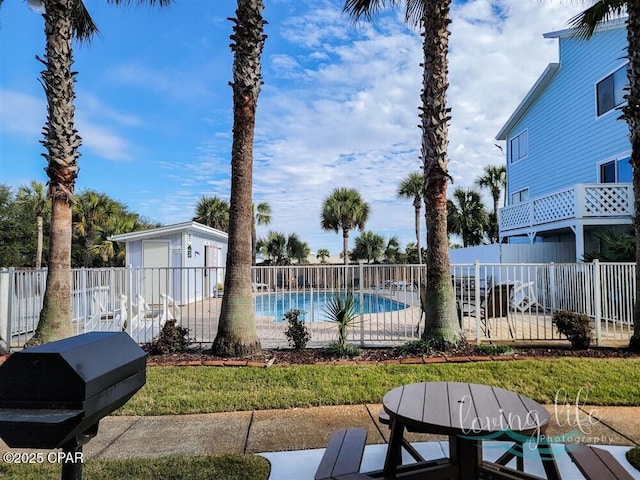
(558, 206)
(515, 216)
(605, 201)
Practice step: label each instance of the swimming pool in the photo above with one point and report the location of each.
(313, 304)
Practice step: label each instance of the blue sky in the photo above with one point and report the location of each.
(338, 106)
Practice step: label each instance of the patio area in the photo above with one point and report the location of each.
(293, 440)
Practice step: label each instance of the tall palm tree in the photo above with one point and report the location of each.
(63, 21)
(412, 188)
(34, 198)
(586, 23)
(467, 216)
(344, 209)
(237, 334)
(432, 16)
(212, 212)
(260, 215)
(494, 179)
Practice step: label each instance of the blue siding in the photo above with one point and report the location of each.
(566, 140)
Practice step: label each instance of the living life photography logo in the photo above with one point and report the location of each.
(570, 412)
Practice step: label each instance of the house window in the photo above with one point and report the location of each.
(616, 171)
(608, 172)
(519, 146)
(610, 90)
(520, 196)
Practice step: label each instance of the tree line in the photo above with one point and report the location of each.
(25, 225)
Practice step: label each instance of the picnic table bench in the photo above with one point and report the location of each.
(343, 454)
(596, 463)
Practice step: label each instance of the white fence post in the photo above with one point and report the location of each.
(476, 293)
(597, 299)
(361, 293)
(6, 293)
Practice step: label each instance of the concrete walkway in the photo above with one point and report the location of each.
(304, 430)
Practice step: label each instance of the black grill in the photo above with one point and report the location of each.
(54, 395)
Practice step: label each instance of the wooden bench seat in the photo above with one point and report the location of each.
(596, 463)
(343, 454)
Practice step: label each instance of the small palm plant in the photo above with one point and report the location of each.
(341, 310)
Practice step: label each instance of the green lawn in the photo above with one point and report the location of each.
(223, 467)
(181, 390)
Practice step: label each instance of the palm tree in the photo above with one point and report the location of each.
(494, 179)
(92, 211)
(212, 212)
(467, 216)
(392, 250)
(432, 16)
(120, 221)
(34, 199)
(323, 254)
(412, 188)
(586, 23)
(274, 248)
(237, 334)
(63, 21)
(296, 248)
(344, 209)
(261, 215)
(369, 246)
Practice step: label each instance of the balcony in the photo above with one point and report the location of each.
(605, 201)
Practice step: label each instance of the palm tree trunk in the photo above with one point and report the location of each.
(39, 222)
(417, 222)
(441, 321)
(632, 116)
(56, 314)
(345, 246)
(254, 242)
(236, 334)
(62, 142)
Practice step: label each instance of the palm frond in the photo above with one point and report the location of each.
(586, 22)
(84, 28)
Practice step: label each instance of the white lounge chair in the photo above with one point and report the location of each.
(523, 297)
(170, 311)
(144, 323)
(100, 319)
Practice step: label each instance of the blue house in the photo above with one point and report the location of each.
(568, 170)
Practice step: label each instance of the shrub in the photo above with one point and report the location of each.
(633, 456)
(414, 348)
(296, 332)
(338, 350)
(341, 310)
(575, 326)
(493, 349)
(173, 338)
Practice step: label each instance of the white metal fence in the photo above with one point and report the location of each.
(495, 301)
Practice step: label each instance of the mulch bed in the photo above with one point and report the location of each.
(310, 356)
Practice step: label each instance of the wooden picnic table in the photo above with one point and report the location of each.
(469, 414)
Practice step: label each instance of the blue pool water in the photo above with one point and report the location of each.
(313, 304)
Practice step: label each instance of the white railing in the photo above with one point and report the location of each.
(516, 301)
(578, 201)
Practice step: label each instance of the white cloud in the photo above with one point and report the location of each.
(21, 114)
